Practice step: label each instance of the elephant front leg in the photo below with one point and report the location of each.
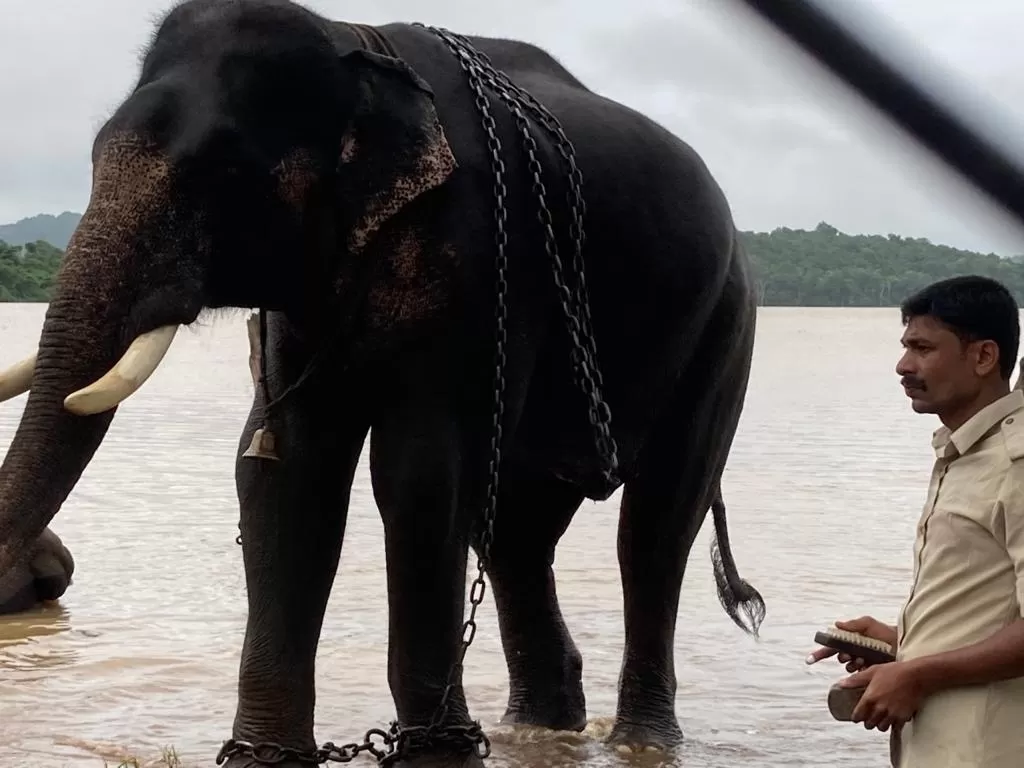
(415, 469)
(293, 514)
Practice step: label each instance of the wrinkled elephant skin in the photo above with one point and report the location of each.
(44, 577)
(340, 178)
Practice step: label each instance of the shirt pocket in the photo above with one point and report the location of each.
(959, 533)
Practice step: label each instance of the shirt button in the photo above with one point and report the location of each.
(1009, 420)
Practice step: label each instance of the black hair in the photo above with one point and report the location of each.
(975, 308)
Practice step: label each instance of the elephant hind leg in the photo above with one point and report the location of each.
(661, 512)
(544, 666)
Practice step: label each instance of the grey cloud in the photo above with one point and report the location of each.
(789, 144)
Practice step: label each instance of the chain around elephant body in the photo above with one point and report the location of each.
(391, 745)
(575, 303)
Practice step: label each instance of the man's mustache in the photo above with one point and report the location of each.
(910, 382)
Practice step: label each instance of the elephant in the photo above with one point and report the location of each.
(411, 213)
(43, 576)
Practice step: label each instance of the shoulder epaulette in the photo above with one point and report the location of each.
(1012, 429)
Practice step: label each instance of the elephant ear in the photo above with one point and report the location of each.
(394, 149)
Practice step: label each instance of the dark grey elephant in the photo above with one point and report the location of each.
(413, 248)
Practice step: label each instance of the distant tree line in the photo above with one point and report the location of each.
(825, 267)
(793, 267)
(27, 271)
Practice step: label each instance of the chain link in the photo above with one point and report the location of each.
(486, 534)
(393, 744)
(399, 741)
(271, 753)
(575, 303)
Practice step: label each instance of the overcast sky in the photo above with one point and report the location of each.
(789, 145)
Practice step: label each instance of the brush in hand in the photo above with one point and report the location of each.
(858, 646)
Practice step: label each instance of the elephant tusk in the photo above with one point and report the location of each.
(17, 379)
(130, 373)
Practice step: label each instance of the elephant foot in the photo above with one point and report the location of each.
(441, 760)
(456, 746)
(642, 737)
(46, 576)
(239, 753)
(553, 717)
(548, 696)
(251, 762)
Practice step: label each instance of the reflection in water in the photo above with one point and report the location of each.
(823, 489)
(45, 619)
(22, 647)
(526, 746)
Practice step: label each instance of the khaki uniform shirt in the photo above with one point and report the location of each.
(969, 583)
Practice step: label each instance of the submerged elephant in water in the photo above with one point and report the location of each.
(411, 225)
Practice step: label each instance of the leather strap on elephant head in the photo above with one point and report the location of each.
(372, 39)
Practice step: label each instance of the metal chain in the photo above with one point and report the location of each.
(574, 195)
(271, 753)
(399, 741)
(486, 534)
(393, 745)
(575, 304)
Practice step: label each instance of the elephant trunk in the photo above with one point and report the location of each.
(102, 337)
(52, 446)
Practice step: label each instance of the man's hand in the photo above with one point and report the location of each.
(893, 694)
(864, 625)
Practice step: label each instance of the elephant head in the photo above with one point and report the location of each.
(257, 155)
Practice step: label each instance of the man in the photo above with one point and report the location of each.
(954, 697)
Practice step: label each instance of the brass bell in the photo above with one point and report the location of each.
(263, 446)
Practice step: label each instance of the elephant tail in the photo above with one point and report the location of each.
(736, 595)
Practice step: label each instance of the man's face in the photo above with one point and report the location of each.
(939, 372)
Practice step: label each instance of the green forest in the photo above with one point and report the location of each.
(827, 268)
(822, 267)
(27, 271)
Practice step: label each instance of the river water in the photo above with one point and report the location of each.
(826, 478)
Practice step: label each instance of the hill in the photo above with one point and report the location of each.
(55, 230)
(825, 267)
(793, 267)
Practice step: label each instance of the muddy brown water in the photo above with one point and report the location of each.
(825, 482)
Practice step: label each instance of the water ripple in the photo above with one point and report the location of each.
(823, 489)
